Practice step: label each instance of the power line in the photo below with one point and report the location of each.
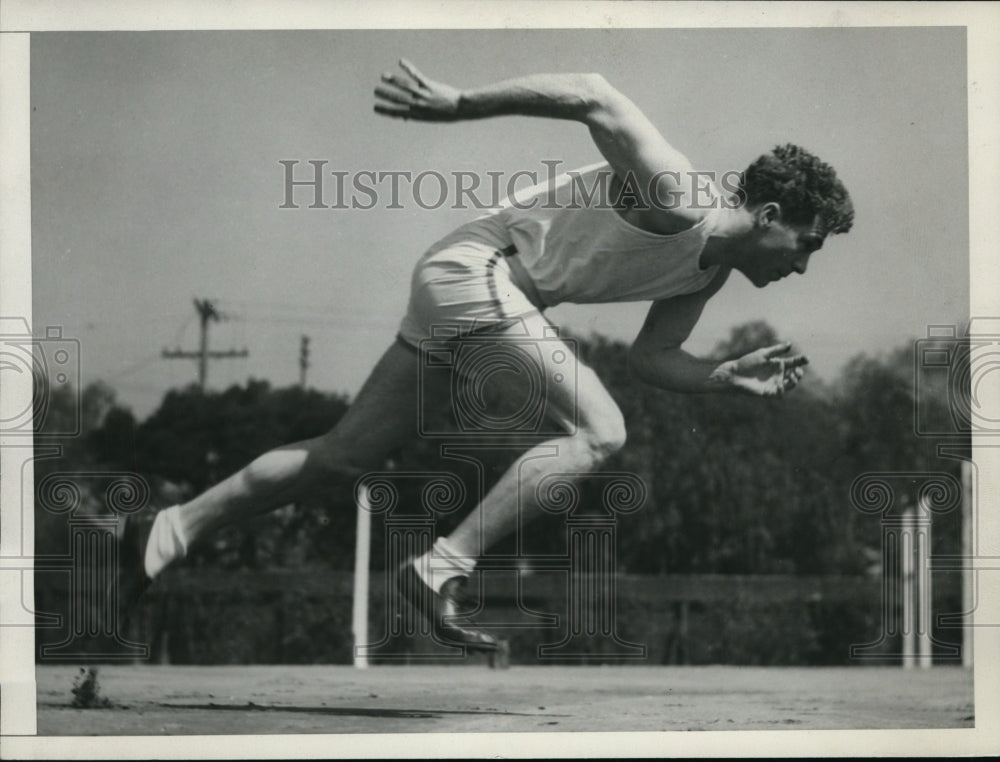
(138, 365)
(180, 331)
(257, 307)
(207, 313)
(331, 324)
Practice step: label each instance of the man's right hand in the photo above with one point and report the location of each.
(416, 97)
(765, 372)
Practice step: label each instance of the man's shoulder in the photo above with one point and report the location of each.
(669, 222)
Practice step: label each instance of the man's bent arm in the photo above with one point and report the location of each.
(678, 371)
(621, 131)
(624, 135)
(555, 96)
(656, 356)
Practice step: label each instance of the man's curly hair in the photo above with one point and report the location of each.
(802, 185)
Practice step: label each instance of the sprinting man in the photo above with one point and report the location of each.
(667, 240)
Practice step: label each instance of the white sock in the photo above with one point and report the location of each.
(167, 542)
(442, 563)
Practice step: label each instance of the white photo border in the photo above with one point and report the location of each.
(19, 18)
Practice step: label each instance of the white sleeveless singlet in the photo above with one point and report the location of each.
(577, 252)
(549, 244)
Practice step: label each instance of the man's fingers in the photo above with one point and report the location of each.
(777, 349)
(790, 379)
(796, 362)
(400, 82)
(393, 94)
(413, 72)
(392, 110)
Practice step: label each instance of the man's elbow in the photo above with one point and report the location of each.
(639, 364)
(595, 83)
(598, 93)
(656, 367)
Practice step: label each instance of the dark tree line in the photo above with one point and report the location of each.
(734, 484)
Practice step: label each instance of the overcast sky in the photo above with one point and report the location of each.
(156, 179)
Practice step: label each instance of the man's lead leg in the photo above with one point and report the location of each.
(381, 418)
(595, 429)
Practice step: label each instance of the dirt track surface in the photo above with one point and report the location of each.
(171, 700)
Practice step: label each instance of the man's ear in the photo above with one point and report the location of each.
(768, 213)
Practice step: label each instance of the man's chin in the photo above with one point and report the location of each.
(758, 280)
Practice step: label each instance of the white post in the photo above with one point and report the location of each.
(906, 569)
(362, 552)
(925, 600)
(968, 576)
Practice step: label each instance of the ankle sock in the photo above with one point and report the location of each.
(442, 563)
(167, 542)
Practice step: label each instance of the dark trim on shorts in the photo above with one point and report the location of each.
(405, 343)
(504, 323)
(493, 327)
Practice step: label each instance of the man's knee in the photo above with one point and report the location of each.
(605, 431)
(268, 470)
(331, 456)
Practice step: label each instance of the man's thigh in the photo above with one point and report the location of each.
(384, 414)
(532, 375)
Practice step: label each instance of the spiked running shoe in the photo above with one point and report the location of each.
(443, 610)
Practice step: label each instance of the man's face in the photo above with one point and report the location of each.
(777, 249)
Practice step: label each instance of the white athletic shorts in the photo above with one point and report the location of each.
(464, 286)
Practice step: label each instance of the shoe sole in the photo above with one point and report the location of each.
(441, 631)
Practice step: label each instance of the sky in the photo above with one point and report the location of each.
(156, 179)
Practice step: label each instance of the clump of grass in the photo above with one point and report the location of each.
(87, 691)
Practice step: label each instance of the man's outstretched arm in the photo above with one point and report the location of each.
(622, 133)
(656, 356)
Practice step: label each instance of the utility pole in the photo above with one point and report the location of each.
(303, 361)
(206, 314)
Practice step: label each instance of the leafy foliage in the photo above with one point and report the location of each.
(735, 484)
